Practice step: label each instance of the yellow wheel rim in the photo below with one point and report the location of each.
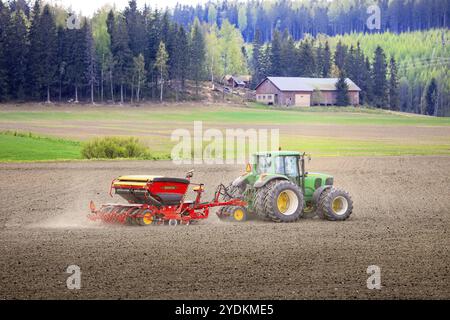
(147, 218)
(238, 215)
(283, 202)
(339, 205)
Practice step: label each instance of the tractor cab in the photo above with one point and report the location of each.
(284, 163)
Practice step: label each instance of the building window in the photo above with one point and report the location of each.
(264, 97)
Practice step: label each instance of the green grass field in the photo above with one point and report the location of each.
(255, 113)
(321, 131)
(28, 147)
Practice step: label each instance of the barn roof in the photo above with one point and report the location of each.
(308, 84)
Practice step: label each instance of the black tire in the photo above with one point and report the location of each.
(295, 201)
(335, 205)
(258, 203)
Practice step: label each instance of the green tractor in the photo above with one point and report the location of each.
(277, 188)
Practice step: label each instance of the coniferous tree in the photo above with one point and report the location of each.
(76, 60)
(48, 57)
(340, 56)
(380, 85)
(342, 98)
(180, 60)
(62, 58)
(431, 98)
(275, 55)
(197, 54)
(91, 63)
(4, 22)
(306, 63)
(394, 101)
(122, 55)
(326, 61)
(288, 54)
(34, 68)
(256, 59)
(17, 52)
(265, 62)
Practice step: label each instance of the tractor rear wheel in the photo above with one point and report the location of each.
(335, 205)
(283, 202)
(258, 203)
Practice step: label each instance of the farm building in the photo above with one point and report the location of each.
(303, 92)
(237, 81)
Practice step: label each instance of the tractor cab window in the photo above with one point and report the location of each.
(287, 165)
(264, 164)
(291, 166)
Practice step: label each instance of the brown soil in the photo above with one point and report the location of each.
(401, 223)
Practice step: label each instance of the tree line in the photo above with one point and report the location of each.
(115, 56)
(317, 17)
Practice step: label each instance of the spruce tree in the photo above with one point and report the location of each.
(394, 101)
(431, 98)
(380, 85)
(17, 50)
(197, 54)
(256, 57)
(4, 23)
(342, 98)
(180, 60)
(91, 63)
(34, 67)
(306, 63)
(276, 68)
(326, 61)
(340, 56)
(123, 59)
(48, 57)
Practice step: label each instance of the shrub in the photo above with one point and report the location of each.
(115, 147)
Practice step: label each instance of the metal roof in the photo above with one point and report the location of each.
(308, 84)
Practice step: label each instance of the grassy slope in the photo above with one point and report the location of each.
(26, 148)
(34, 148)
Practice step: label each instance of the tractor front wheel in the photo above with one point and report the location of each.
(335, 205)
(283, 202)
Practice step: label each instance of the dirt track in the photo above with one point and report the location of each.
(401, 223)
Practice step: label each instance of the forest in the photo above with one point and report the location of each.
(302, 17)
(47, 53)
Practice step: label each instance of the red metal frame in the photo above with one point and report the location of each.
(184, 212)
